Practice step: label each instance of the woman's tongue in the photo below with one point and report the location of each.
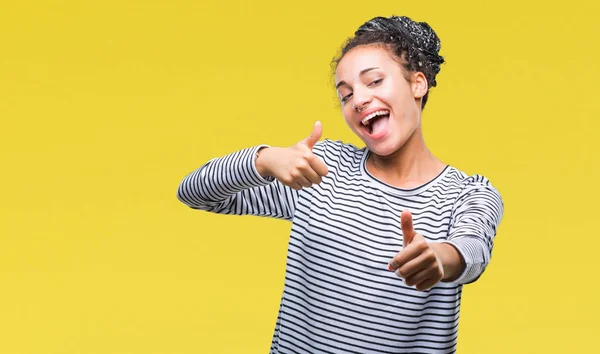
(379, 124)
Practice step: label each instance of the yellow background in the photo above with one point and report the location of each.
(106, 105)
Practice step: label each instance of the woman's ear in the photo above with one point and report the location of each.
(419, 84)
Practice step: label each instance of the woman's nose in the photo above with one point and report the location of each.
(361, 100)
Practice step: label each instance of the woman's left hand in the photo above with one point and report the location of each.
(417, 263)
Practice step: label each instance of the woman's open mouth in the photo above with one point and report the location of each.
(375, 124)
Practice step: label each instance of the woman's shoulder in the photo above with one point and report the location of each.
(337, 145)
(328, 149)
(465, 178)
(468, 183)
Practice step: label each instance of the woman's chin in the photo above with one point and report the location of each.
(381, 149)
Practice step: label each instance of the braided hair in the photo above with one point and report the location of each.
(413, 44)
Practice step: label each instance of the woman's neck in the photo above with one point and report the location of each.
(411, 166)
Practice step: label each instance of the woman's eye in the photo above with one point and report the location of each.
(346, 98)
(375, 82)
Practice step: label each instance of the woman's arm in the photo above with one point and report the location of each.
(232, 185)
(477, 213)
(463, 257)
(249, 182)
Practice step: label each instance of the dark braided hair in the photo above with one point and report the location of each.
(413, 44)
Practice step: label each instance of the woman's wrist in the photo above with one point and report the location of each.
(452, 262)
(259, 162)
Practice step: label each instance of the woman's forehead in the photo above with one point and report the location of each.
(361, 58)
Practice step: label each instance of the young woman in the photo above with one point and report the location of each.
(383, 237)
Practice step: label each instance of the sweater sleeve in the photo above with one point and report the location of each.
(476, 215)
(232, 185)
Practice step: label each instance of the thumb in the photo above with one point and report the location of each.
(312, 139)
(406, 223)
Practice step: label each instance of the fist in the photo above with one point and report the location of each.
(417, 263)
(295, 166)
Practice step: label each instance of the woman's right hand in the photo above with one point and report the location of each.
(295, 166)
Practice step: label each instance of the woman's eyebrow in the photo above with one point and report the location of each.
(362, 72)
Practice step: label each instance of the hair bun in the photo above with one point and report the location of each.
(423, 36)
(419, 35)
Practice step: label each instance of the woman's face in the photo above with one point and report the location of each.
(369, 80)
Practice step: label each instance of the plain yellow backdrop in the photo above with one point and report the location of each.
(106, 105)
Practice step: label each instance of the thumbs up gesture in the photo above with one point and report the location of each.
(295, 166)
(417, 263)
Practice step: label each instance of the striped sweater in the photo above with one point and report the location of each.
(339, 296)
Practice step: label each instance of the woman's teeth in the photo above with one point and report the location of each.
(373, 115)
